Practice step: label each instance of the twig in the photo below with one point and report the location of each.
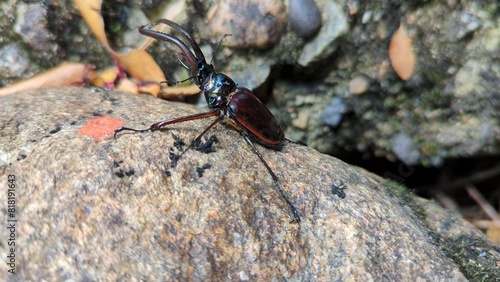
(477, 177)
(481, 201)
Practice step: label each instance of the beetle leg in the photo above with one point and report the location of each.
(198, 139)
(119, 129)
(296, 218)
(160, 124)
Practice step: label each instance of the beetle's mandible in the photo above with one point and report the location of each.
(228, 103)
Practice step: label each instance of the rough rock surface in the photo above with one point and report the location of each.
(254, 23)
(448, 109)
(116, 209)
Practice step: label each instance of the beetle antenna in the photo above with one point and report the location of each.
(178, 82)
(222, 40)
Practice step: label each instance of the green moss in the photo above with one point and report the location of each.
(390, 103)
(406, 100)
(435, 98)
(396, 189)
(115, 21)
(472, 256)
(430, 149)
(405, 197)
(289, 49)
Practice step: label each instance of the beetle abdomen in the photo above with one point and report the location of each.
(253, 115)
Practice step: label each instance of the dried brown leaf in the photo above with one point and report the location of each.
(401, 53)
(90, 11)
(105, 78)
(138, 63)
(64, 75)
(493, 233)
(128, 86)
(143, 68)
(172, 92)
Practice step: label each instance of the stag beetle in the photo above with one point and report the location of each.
(230, 104)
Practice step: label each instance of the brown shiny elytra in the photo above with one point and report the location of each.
(235, 106)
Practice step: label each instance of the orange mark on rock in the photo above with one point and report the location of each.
(101, 128)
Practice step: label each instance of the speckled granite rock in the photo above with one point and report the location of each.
(116, 209)
(254, 23)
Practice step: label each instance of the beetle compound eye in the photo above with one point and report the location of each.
(212, 100)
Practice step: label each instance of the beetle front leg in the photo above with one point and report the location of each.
(120, 129)
(160, 124)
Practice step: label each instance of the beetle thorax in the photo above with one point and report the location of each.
(216, 88)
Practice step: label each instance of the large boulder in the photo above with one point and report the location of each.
(120, 209)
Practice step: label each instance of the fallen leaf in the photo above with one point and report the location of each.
(173, 92)
(493, 233)
(105, 78)
(138, 63)
(401, 54)
(146, 73)
(66, 74)
(143, 67)
(128, 86)
(91, 13)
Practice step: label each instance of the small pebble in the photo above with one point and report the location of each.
(358, 85)
(13, 61)
(367, 16)
(253, 23)
(404, 148)
(334, 112)
(468, 23)
(304, 17)
(301, 120)
(31, 25)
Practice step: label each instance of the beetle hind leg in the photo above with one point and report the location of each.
(295, 214)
